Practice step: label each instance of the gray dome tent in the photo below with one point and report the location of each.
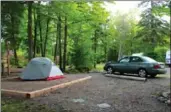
(41, 68)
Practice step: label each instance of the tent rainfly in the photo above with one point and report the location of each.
(41, 68)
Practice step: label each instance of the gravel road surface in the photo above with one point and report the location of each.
(120, 95)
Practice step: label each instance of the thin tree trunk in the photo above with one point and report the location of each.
(65, 44)
(37, 50)
(40, 31)
(120, 54)
(56, 45)
(30, 53)
(152, 26)
(14, 41)
(60, 48)
(16, 56)
(95, 48)
(35, 33)
(47, 31)
(105, 51)
(41, 39)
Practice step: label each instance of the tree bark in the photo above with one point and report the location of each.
(105, 51)
(40, 31)
(47, 31)
(30, 44)
(95, 48)
(152, 26)
(14, 41)
(35, 33)
(41, 39)
(56, 45)
(65, 44)
(60, 48)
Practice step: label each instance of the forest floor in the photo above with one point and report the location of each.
(120, 95)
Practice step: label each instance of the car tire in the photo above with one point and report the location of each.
(153, 75)
(109, 70)
(121, 73)
(142, 73)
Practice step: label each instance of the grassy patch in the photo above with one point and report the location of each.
(99, 67)
(15, 105)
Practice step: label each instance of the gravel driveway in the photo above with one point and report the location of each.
(122, 95)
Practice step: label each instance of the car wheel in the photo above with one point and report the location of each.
(121, 73)
(142, 73)
(109, 70)
(153, 75)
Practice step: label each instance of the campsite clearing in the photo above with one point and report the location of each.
(122, 95)
(30, 89)
(117, 95)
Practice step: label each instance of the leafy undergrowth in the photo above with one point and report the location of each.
(99, 67)
(72, 70)
(23, 105)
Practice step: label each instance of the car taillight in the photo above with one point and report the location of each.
(157, 66)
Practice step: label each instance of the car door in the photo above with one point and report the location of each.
(134, 64)
(121, 66)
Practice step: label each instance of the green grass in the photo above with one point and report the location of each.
(15, 105)
(99, 67)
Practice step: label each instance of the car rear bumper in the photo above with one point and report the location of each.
(157, 71)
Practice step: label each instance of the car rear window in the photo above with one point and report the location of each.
(149, 59)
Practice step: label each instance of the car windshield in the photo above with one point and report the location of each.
(149, 59)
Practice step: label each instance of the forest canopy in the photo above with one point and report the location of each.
(82, 34)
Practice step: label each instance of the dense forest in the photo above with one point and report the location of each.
(82, 34)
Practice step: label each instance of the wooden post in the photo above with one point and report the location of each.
(8, 58)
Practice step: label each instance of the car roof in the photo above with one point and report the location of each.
(133, 56)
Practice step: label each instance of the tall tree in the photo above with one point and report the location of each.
(30, 38)
(46, 37)
(59, 39)
(152, 29)
(65, 43)
(35, 31)
(12, 13)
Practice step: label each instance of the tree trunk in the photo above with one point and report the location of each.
(47, 31)
(40, 31)
(105, 51)
(35, 33)
(120, 51)
(30, 44)
(41, 39)
(95, 48)
(60, 48)
(16, 56)
(65, 44)
(14, 41)
(152, 26)
(56, 45)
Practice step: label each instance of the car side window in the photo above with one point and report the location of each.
(136, 59)
(124, 60)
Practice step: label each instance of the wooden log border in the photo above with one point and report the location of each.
(41, 92)
(126, 77)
